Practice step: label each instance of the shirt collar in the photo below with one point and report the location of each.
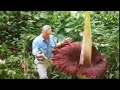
(43, 38)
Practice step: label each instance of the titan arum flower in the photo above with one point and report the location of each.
(82, 58)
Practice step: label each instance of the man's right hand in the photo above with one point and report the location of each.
(42, 55)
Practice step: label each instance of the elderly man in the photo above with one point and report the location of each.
(42, 47)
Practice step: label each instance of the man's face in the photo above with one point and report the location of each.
(46, 34)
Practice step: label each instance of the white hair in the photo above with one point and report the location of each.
(46, 28)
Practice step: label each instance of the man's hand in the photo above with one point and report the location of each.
(64, 42)
(42, 55)
(69, 40)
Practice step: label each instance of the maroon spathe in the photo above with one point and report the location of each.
(67, 58)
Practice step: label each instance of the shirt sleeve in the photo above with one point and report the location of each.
(35, 48)
(55, 40)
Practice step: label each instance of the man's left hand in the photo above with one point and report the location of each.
(68, 40)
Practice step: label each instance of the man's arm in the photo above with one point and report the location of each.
(55, 42)
(36, 51)
(35, 48)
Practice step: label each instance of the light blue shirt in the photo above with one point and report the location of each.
(39, 45)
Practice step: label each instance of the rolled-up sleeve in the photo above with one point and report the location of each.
(54, 39)
(35, 48)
